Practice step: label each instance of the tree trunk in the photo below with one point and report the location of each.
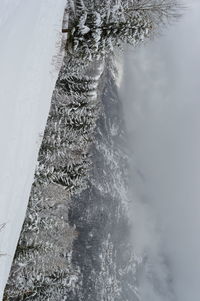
(65, 30)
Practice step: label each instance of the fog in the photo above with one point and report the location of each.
(160, 92)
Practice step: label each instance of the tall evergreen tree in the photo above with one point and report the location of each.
(98, 28)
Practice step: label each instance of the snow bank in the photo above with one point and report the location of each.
(29, 38)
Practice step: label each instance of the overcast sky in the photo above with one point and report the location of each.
(162, 107)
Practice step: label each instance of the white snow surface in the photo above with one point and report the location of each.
(29, 39)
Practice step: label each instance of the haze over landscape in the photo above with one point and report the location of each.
(162, 112)
(100, 150)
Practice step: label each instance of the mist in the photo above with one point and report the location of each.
(160, 92)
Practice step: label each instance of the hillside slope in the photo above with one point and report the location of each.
(30, 39)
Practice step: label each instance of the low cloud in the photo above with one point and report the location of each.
(160, 92)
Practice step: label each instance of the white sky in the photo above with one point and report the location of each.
(162, 107)
(29, 41)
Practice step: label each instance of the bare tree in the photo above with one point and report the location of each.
(97, 30)
(158, 12)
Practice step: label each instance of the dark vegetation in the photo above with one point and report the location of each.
(69, 247)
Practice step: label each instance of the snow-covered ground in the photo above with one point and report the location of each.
(29, 39)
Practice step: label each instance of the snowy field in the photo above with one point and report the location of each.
(29, 39)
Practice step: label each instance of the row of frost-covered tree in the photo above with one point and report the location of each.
(99, 26)
(42, 267)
